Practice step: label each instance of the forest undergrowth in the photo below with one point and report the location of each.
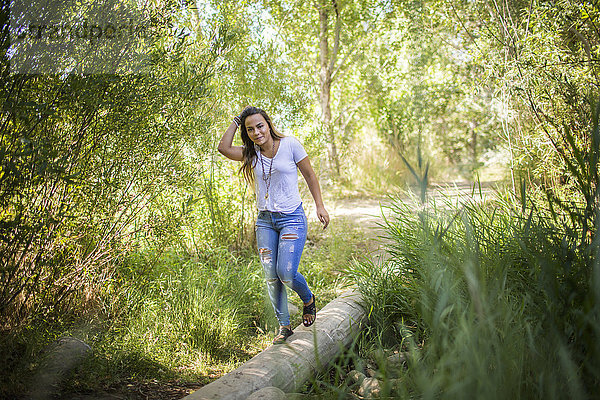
(121, 226)
(185, 321)
(494, 298)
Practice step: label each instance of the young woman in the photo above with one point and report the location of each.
(271, 161)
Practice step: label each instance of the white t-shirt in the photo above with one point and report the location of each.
(283, 184)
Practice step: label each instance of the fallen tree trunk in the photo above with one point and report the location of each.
(289, 366)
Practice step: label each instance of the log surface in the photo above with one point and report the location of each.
(290, 365)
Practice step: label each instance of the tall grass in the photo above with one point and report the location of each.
(189, 317)
(201, 318)
(492, 300)
(184, 322)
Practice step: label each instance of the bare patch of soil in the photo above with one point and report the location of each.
(155, 390)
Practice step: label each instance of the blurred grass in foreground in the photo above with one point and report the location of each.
(493, 300)
(488, 299)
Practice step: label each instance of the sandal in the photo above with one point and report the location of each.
(310, 309)
(284, 333)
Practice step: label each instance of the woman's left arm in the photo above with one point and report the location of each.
(315, 189)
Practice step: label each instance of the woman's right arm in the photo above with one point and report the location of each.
(225, 145)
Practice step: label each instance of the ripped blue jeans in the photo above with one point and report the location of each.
(280, 238)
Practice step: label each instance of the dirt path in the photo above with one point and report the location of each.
(366, 213)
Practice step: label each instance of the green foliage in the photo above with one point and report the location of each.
(327, 254)
(489, 302)
(97, 170)
(426, 89)
(115, 207)
(494, 299)
(539, 56)
(90, 166)
(185, 318)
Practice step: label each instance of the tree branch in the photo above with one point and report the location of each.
(336, 42)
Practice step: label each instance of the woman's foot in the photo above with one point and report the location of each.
(309, 312)
(284, 333)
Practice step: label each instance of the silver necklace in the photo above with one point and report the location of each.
(267, 178)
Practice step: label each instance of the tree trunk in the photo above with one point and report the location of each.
(325, 72)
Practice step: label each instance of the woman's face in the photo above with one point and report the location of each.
(258, 129)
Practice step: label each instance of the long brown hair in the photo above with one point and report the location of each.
(249, 152)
